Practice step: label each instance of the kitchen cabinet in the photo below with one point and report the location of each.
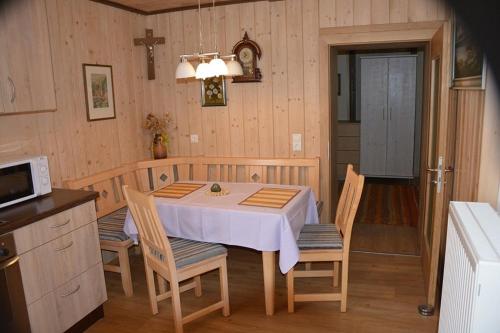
(26, 75)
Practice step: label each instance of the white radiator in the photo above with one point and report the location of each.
(470, 300)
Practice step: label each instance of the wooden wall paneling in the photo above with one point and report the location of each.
(344, 10)
(208, 114)
(295, 61)
(362, 10)
(264, 88)
(327, 17)
(235, 91)
(311, 78)
(222, 121)
(280, 76)
(250, 95)
(398, 11)
(380, 12)
(181, 123)
(310, 27)
(193, 108)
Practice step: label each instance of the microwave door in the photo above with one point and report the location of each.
(16, 184)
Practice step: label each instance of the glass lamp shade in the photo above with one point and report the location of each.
(218, 67)
(184, 70)
(234, 68)
(203, 71)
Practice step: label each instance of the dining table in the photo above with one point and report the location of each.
(233, 217)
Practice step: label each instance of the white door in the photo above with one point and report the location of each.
(401, 118)
(373, 116)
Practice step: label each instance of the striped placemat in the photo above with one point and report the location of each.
(270, 197)
(177, 190)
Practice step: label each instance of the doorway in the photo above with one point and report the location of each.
(379, 103)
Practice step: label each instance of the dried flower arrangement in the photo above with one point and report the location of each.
(158, 127)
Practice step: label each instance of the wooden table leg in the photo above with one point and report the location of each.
(268, 265)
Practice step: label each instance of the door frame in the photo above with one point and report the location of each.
(369, 35)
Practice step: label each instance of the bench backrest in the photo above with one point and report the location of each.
(109, 185)
(151, 175)
(155, 174)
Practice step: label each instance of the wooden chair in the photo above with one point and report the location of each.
(329, 243)
(175, 260)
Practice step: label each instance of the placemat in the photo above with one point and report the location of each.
(270, 197)
(177, 190)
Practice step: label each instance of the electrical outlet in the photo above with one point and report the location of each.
(296, 142)
(194, 138)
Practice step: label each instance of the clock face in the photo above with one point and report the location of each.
(246, 55)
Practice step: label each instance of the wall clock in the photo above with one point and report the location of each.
(247, 53)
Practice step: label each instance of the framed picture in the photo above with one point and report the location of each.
(213, 91)
(99, 95)
(469, 65)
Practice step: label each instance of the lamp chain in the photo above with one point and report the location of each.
(200, 25)
(215, 26)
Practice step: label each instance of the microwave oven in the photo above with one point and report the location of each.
(23, 179)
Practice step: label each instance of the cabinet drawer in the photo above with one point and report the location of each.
(65, 306)
(52, 227)
(47, 267)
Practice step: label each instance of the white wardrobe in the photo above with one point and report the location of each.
(388, 92)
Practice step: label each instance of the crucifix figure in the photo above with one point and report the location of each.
(150, 42)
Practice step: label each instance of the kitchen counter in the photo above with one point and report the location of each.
(24, 213)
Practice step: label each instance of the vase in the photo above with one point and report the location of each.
(158, 147)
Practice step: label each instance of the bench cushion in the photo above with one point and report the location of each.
(319, 236)
(111, 226)
(187, 252)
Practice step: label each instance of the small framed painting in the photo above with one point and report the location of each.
(469, 65)
(213, 91)
(99, 95)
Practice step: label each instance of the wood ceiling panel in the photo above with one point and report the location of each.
(156, 6)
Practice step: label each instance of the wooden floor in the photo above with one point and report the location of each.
(384, 292)
(384, 238)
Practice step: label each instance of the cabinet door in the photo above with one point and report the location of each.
(373, 116)
(401, 120)
(26, 57)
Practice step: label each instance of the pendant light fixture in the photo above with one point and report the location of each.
(210, 64)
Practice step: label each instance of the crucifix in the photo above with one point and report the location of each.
(150, 42)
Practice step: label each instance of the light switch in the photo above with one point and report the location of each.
(296, 142)
(194, 138)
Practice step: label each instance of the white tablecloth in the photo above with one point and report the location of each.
(201, 217)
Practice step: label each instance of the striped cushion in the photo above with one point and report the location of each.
(111, 226)
(319, 236)
(187, 252)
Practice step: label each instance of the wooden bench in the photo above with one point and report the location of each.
(152, 175)
(111, 208)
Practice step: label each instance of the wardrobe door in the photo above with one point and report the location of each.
(373, 116)
(401, 121)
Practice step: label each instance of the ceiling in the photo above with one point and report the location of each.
(158, 6)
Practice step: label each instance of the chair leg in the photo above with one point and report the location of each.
(290, 289)
(197, 289)
(343, 291)
(162, 284)
(125, 271)
(150, 279)
(176, 306)
(224, 288)
(335, 273)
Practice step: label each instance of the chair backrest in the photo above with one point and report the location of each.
(109, 185)
(348, 204)
(154, 242)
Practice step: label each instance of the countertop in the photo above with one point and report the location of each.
(27, 212)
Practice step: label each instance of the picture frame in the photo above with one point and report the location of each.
(213, 91)
(99, 92)
(468, 60)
